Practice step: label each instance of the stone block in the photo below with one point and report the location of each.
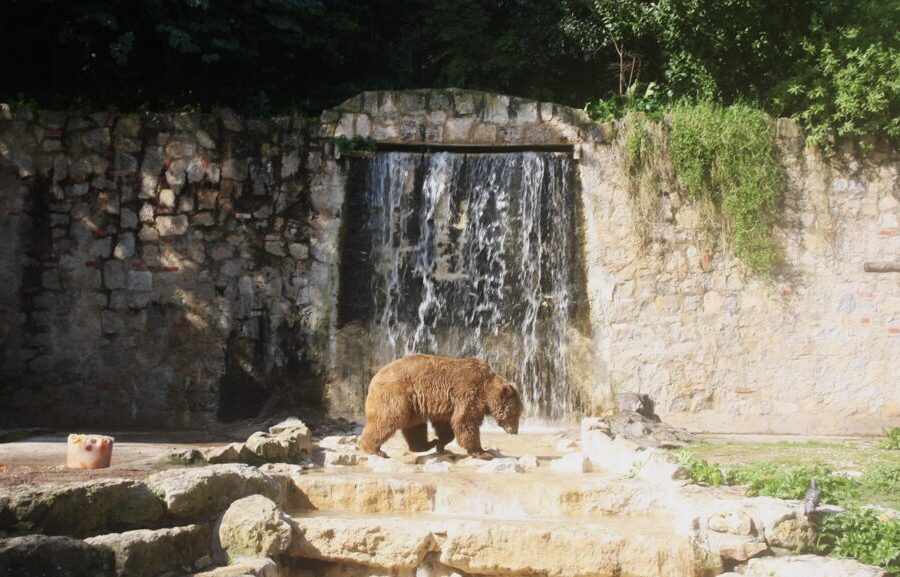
(202, 493)
(79, 509)
(172, 225)
(150, 553)
(43, 556)
(140, 280)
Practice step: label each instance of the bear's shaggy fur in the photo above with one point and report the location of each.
(454, 394)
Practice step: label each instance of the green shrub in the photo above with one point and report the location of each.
(699, 470)
(726, 159)
(891, 440)
(769, 480)
(356, 146)
(859, 534)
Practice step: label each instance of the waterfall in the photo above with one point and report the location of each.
(467, 255)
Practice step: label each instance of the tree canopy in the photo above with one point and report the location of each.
(834, 64)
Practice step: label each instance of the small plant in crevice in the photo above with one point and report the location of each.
(891, 440)
(862, 535)
(725, 158)
(356, 146)
(645, 162)
(700, 470)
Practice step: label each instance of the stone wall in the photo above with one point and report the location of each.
(810, 350)
(161, 269)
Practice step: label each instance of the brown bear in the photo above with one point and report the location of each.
(454, 394)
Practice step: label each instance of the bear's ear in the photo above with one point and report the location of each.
(509, 392)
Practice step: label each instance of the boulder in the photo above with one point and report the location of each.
(149, 553)
(223, 454)
(624, 456)
(253, 527)
(43, 556)
(735, 547)
(80, 509)
(286, 442)
(636, 403)
(204, 492)
(649, 431)
(809, 566)
(333, 459)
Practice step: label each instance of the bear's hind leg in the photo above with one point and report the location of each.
(373, 436)
(417, 438)
(444, 434)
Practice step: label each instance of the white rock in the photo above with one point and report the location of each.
(384, 465)
(340, 459)
(809, 566)
(566, 446)
(528, 462)
(338, 442)
(501, 465)
(574, 463)
(436, 467)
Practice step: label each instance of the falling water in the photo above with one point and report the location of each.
(468, 255)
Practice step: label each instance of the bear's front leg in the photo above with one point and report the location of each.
(469, 438)
(444, 431)
(373, 436)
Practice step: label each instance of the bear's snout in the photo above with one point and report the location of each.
(512, 429)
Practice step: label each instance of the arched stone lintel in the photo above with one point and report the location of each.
(460, 117)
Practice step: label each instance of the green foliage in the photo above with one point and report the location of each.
(792, 482)
(699, 470)
(726, 159)
(356, 146)
(832, 64)
(647, 169)
(891, 440)
(648, 99)
(859, 534)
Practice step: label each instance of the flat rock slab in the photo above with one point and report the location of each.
(43, 556)
(204, 492)
(539, 547)
(148, 553)
(355, 493)
(80, 509)
(809, 566)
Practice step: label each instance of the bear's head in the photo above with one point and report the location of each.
(505, 404)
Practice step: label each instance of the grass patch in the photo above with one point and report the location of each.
(860, 534)
(725, 158)
(891, 440)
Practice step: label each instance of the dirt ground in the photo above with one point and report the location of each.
(41, 459)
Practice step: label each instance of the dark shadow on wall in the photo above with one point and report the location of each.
(242, 394)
